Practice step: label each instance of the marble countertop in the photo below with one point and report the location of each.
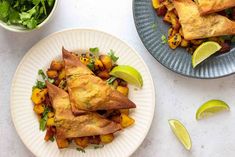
(176, 96)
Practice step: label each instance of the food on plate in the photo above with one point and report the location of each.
(28, 14)
(211, 107)
(195, 26)
(82, 81)
(189, 29)
(70, 126)
(181, 133)
(211, 6)
(88, 92)
(204, 51)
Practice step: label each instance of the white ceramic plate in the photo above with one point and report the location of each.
(40, 56)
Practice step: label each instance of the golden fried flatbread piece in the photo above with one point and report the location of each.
(211, 6)
(195, 26)
(70, 126)
(88, 92)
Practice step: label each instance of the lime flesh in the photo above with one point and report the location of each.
(210, 108)
(204, 51)
(127, 73)
(181, 133)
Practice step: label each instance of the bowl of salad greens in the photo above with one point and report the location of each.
(25, 15)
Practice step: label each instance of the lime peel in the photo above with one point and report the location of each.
(210, 108)
(204, 51)
(181, 133)
(127, 73)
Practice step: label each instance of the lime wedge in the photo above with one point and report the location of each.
(204, 51)
(127, 73)
(181, 133)
(210, 108)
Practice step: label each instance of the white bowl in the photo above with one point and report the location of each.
(21, 29)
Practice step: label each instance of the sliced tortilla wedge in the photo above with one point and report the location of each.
(88, 92)
(70, 126)
(195, 26)
(212, 6)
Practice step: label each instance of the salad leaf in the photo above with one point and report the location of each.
(112, 56)
(50, 2)
(4, 9)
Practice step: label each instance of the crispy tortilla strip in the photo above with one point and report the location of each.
(212, 6)
(88, 92)
(195, 26)
(69, 126)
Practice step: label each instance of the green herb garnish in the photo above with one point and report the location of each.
(154, 26)
(164, 39)
(40, 72)
(40, 84)
(91, 65)
(98, 146)
(111, 79)
(112, 56)
(50, 80)
(81, 150)
(52, 139)
(43, 120)
(27, 13)
(95, 51)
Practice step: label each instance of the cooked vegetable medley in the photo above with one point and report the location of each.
(175, 37)
(100, 65)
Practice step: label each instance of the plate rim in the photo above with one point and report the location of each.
(79, 29)
(177, 72)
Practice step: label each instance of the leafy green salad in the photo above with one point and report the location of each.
(26, 13)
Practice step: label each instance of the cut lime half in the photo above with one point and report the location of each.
(210, 108)
(181, 133)
(128, 73)
(204, 51)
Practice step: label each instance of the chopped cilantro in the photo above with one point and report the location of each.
(43, 120)
(164, 39)
(40, 72)
(81, 150)
(40, 84)
(98, 146)
(95, 51)
(51, 80)
(111, 79)
(52, 139)
(112, 56)
(91, 65)
(154, 26)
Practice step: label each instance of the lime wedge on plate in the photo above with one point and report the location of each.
(181, 133)
(127, 73)
(210, 108)
(204, 51)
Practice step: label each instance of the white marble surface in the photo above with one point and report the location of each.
(176, 96)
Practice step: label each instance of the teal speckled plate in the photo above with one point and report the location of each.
(151, 28)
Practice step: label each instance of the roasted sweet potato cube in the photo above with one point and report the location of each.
(52, 73)
(56, 65)
(126, 121)
(106, 138)
(38, 95)
(123, 90)
(107, 62)
(161, 11)
(175, 41)
(104, 74)
(62, 143)
(38, 108)
(82, 141)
